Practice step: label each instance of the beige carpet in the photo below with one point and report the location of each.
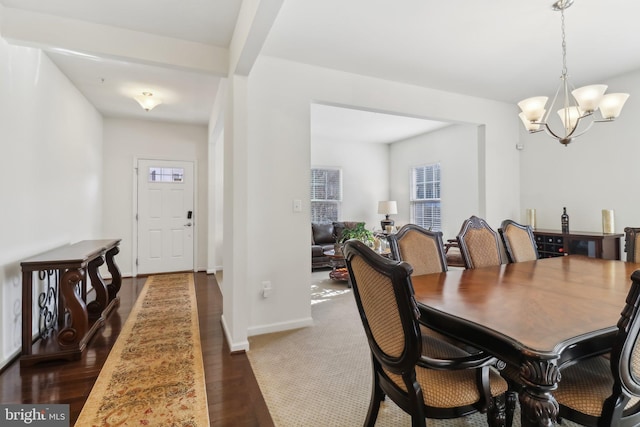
(321, 375)
(154, 374)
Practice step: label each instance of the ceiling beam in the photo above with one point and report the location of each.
(56, 33)
(254, 22)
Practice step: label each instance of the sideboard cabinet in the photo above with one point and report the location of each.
(553, 243)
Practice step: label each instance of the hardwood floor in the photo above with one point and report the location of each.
(233, 394)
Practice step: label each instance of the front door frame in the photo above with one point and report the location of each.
(134, 216)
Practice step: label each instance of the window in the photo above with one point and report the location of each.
(326, 194)
(157, 174)
(425, 196)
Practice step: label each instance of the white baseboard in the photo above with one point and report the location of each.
(234, 347)
(279, 327)
(214, 270)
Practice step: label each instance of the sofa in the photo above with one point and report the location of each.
(324, 235)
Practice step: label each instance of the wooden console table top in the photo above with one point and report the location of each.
(77, 253)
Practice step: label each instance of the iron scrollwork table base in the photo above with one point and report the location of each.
(67, 321)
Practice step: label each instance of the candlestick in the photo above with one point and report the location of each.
(608, 225)
(531, 218)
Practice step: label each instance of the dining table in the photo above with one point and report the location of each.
(536, 316)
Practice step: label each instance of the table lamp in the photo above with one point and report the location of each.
(387, 208)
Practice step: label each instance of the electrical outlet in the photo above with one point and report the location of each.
(297, 205)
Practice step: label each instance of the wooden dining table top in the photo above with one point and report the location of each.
(539, 305)
(536, 316)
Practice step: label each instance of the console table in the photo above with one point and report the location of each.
(553, 243)
(66, 320)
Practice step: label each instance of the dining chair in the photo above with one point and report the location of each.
(424, 251)
(605, 391)
(631, 243)
(424, 376)
(479, 244)
(421, 248)
(518, 240)
(452, 253)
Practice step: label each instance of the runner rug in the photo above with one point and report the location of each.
(154, 374)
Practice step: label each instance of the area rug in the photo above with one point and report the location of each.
(321, 375)
(154, 374)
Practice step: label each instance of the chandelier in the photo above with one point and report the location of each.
(573, 110)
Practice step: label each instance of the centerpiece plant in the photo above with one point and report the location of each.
(358, 232)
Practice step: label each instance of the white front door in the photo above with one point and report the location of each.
(165, 216)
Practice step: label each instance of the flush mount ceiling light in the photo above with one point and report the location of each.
(573, 111)
(147, 101)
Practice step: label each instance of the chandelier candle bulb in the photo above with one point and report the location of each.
(608, 224)
(531, 218)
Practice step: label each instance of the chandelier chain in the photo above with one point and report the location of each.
(564, 46)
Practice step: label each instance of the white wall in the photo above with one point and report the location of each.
(596, 171)
(50, 169)
(216, 182)
(365, 177)
(278, 152)
(216, 191)
(456, 149)
(374, 172)
(126, 140)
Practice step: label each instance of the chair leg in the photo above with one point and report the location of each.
(417, 421)
(512, 398)
(377, 396)
(496, 416)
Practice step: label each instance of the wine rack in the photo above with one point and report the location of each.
(552, 243)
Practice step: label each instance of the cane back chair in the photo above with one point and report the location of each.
(519, 242)
(605, 391)
(421, 248)
(479, 244)
(424, 376)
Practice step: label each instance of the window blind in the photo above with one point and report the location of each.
(326, 194)
(425, 196)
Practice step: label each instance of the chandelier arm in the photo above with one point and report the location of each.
(550, 132)
(536, 131)
(571, 135)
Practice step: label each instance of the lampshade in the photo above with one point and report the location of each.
(147, 101)
(570, 116)
(387, 208)
(611, 105)
(527, 124)
(533, 108)
(588, 97)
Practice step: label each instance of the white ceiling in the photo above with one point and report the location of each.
(204, 21)
(505, 50)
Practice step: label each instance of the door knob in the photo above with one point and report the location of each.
(188, 224)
